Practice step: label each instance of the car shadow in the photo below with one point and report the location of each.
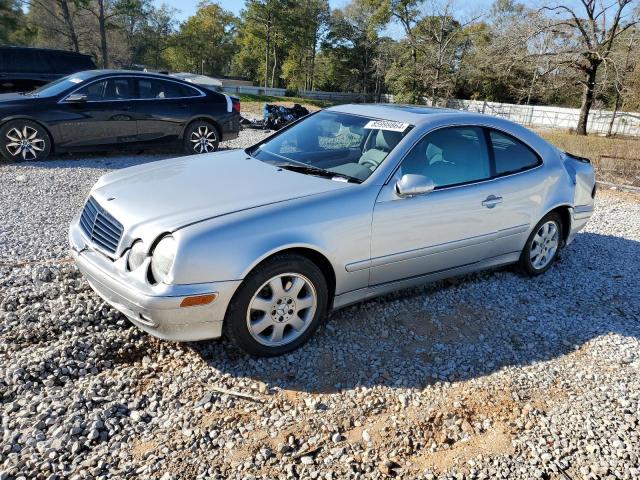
(460, 328)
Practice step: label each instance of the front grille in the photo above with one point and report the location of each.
(103, 230)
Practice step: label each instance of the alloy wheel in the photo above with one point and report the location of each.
(544, 245)
(203, 139)
(24, 142)
(282, 309)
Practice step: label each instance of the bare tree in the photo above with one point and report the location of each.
(61, 12)
(592, 33)
(104, 11)
(440, 39)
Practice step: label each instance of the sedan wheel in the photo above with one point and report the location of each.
(543, 245)
(282, 309)
(201, 137)
(24, 141)
(278, 306)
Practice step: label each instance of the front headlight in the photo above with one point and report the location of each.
(162, 258)
(137, 254)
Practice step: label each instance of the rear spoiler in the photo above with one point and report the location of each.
(577, 157)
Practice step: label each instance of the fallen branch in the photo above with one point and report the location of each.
(236, 394)
(310, 451)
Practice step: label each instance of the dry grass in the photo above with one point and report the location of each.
(616, 160)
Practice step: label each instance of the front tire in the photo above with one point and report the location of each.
(201, 136)
(24, 140)
(543, 245)
(278, 307)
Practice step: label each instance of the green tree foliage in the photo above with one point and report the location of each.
(13, 28)
(514, 52)
(205, 42)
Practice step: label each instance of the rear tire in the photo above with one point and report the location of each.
(201, 136)
(24, 140)
(278, 307)
(543, 245)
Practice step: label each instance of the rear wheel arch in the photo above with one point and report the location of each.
(564, 211)
(202, 118)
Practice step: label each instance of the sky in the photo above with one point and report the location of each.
(187, 8)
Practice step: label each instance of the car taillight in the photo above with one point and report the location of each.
(236, 107)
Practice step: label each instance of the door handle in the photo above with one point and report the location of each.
(491, 201)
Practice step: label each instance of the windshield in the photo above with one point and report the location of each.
(59, 86)
(339, 145)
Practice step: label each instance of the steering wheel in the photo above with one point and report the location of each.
(370, 163)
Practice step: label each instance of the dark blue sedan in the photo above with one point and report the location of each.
(102, 109)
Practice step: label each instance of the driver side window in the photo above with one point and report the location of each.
(450, 156)
(109, 89)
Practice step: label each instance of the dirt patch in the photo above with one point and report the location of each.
(496, 441)
(141, 449)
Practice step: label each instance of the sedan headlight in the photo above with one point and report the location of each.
(137, 254)
(162, 258)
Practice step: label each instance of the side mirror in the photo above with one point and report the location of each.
(411, 185)
(76, 98)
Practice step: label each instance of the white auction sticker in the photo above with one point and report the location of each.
(386, 125)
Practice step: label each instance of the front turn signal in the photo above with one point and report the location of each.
(198, 300)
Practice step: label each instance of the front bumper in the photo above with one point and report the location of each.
(154, 309)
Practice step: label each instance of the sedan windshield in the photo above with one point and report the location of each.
(333, 145)
(62, 84)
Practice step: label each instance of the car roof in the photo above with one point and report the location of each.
(413, 114)
(137, 73)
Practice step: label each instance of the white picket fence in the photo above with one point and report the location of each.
(625, 123)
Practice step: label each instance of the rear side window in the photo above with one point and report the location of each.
(510, 154)
(152, 88)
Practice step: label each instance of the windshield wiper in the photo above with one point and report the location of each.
(320, 172)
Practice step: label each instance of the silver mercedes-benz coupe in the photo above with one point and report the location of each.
(348, 203)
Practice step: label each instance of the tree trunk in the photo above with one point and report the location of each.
(266, 50)
(313, 60)
(434, 87)
(275, 63)
(103, 35)
(73, 36)
(616, 107)
(587, 98)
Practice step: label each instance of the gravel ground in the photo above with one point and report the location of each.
(487, 376)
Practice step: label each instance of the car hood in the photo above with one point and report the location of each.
(14, 98)
(166, 195)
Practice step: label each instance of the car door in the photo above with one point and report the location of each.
(520, 185)
(449, 227)
(100, 113)
(163, 107)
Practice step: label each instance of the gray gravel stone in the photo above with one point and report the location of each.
(493, 375)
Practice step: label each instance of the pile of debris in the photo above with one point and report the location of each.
(274, 117)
